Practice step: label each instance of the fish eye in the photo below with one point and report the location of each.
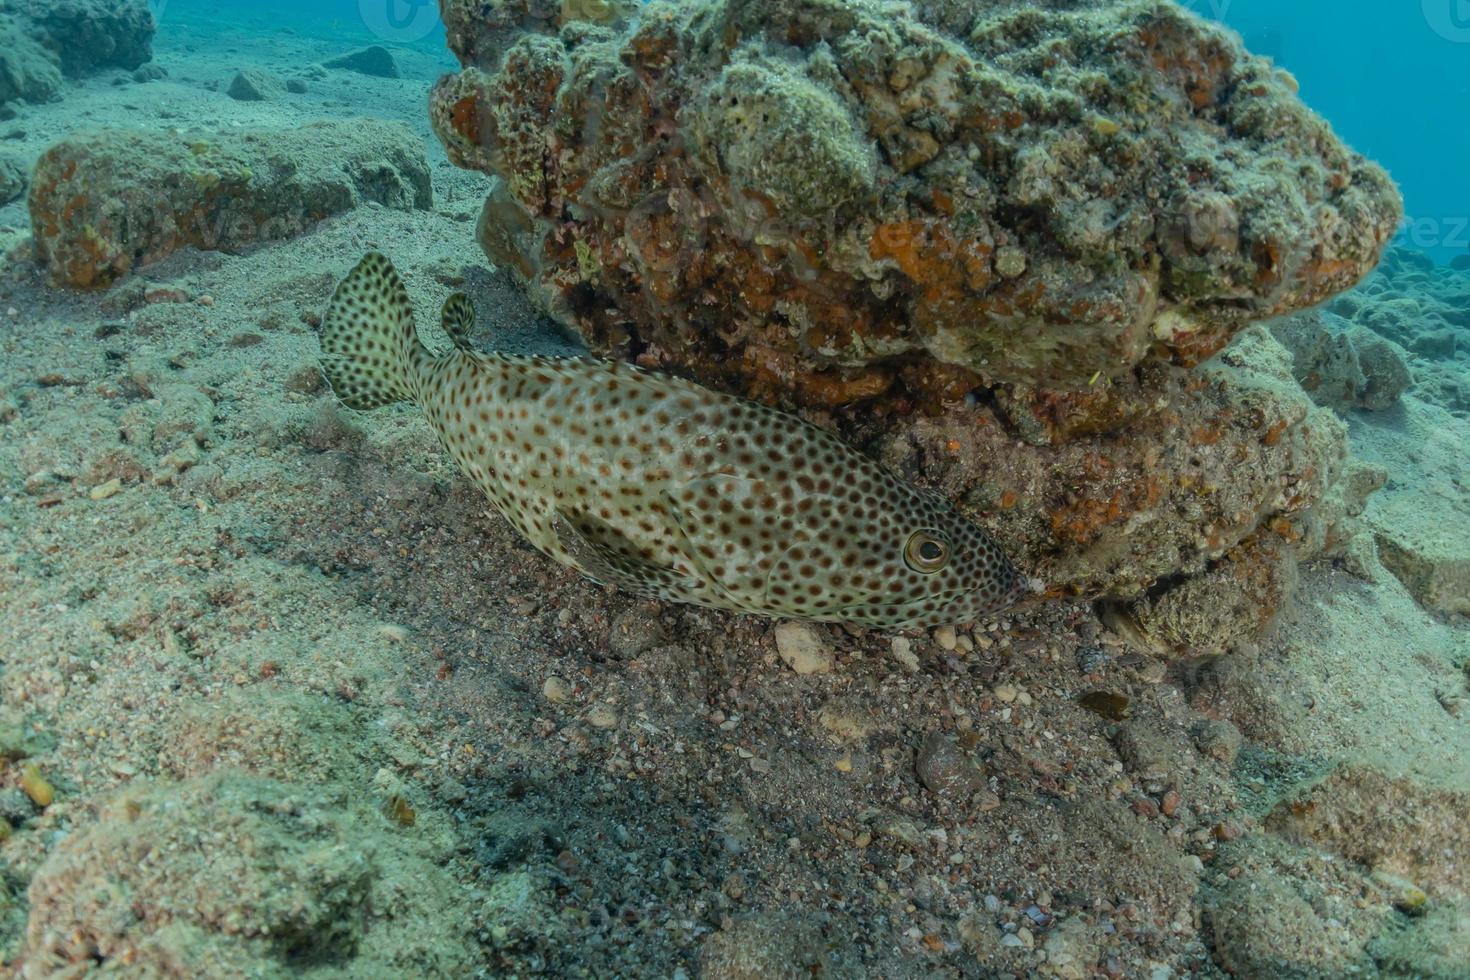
(926, 552)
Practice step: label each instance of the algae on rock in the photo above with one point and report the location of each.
(107, 202)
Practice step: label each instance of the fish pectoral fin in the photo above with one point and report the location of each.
(605, 554)
(708, 512)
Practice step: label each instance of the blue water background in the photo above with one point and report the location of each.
(1393, 76)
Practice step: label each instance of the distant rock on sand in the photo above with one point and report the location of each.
(107, 202)
(376, 60)
(254, 85)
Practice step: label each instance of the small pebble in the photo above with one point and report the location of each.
(36, 786)
(803, 649)
(602, 716)
(1169, 803)
(1006, 692)
(104, 490)
(903, 652)
(946, 637)
(556, 690)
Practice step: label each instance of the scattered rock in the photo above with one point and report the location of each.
(296, 86)
(29, 72)
(150, 73)
(847, 720)
(602, 716)
(106, 203)
(1385, 821)
(902, 649)
(777, 945)
(232, 874)
(375, 60)
(1432, 944)
(803, 649)
(1218, 739)
(12, 179)
(1428, 550)
(1341, 365)
(254, 85)
(1262, 926)
(635, 632)
(945, 770)
(1207, 614)
(1070, 951)
(1146, 751)
(556, 690)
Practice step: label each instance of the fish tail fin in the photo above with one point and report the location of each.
(459, 320)
(370, 346)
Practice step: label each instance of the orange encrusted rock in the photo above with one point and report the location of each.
(107, 202)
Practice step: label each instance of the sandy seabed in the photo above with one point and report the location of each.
(280, 698)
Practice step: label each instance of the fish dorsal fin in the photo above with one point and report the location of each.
(458, 319)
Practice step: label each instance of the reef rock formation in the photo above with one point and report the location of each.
(42, 39)
(812, 197)
(1341, 365)
(1415, 304)
(12, 179)
(107, 202)
(991, 238)
(88, 35)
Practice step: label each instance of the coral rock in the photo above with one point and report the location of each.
(763, 193)
(105, 203)
(89, 35)
(1341, 365)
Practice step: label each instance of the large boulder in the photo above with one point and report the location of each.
(991, 242)
(104, 203)
(819, 200)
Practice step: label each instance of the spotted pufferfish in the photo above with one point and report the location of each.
(661, 487)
